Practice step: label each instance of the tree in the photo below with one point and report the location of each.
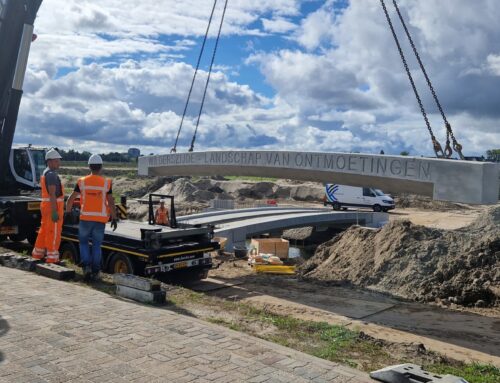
(404, 153)
(493, 155)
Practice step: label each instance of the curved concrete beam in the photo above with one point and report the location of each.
(447, 180)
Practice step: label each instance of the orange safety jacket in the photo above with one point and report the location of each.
(46, 195)
(161, 216)
(93, 198)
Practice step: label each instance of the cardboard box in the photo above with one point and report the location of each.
(276, 246)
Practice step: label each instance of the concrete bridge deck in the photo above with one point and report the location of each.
(223, 216)
(238, 231)
(447, 180)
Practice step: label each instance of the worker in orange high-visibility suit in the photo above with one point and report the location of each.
(161, 214)
(96, 203)
(52, 208)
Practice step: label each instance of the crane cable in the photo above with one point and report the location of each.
(436, 145)
(174, 148)
(449, 131)
(208, 77)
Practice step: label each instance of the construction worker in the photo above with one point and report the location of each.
(96, 203)
(52, 208)
(161, 214)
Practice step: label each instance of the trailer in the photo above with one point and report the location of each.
(178, 252)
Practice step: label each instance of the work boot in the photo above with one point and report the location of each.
(87, 273)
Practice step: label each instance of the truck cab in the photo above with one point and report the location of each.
(343, 196)
(26, 166)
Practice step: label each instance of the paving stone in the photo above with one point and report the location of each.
(62, 332)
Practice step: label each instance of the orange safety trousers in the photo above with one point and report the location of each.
(49, 235)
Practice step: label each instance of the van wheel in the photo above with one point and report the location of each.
(68, 252)
(121, 263)
(377, 208)
(336, 206)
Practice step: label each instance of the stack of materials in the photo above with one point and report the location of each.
(274, 246)
(263, 259)
(138, 288)
(266, 256)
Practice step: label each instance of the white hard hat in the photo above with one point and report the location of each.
(162, 201)
(95, 159)
(52, 154)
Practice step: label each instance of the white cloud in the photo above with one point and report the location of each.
(278, 25)
(111, 74)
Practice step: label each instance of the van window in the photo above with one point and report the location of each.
(367, 192)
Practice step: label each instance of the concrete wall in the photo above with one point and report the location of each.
(447, 180)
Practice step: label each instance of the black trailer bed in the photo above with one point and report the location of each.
(128, 239)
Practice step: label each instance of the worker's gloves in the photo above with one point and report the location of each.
(114, 224)
(54, 216)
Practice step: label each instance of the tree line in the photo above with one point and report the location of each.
(73, 155)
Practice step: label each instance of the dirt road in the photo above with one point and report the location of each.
(466, 336)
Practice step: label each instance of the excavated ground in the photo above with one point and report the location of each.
(415, 262)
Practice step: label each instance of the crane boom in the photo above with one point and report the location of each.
(16, 31)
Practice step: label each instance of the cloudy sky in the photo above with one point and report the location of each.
(289, 74)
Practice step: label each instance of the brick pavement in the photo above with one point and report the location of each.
(52, 331)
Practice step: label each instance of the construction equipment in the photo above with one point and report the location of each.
(136, 247)
(20, 168)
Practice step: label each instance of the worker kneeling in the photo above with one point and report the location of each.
(96, 202)
(161, 214)
(52, 209)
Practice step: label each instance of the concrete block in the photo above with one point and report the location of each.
(15, 261)
(409, 373)
(28, 264)
(140, 295)
(55, 271)
(4, 258)
(136, 282)
(441, 179)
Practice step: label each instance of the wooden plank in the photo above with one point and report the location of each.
(55, 271)
(275, 269)
(158, 297)
(136, 282)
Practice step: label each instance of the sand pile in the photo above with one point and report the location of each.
(416, 262)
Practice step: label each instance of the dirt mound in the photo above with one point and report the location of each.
(426, 203)
(416, 262)
(206, 189)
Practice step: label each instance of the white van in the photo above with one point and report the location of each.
(342, 196)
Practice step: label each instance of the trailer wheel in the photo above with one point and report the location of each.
(69, 252)
(377, 208)
(336, 206)
(17, 237)
(31, 237)
(121, 263)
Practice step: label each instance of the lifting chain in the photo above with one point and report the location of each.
(449, 132)
(191, 148)
(435, 143)
(174, 148)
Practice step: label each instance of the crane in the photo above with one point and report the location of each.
(20, 168)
